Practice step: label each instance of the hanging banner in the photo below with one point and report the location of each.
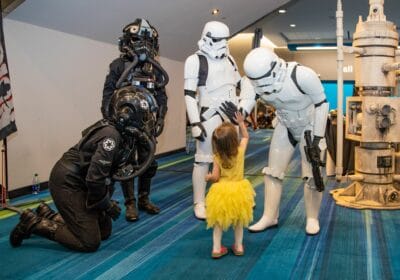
(7, 118)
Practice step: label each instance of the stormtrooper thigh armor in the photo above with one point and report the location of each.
(203, 158)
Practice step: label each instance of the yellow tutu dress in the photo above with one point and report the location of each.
(230, 201)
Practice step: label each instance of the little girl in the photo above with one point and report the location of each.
(230, 199)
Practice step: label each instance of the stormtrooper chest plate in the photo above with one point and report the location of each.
(220, 85)
(220, 73)
(293, 108)
(288, 98)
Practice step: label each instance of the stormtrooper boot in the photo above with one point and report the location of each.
(199, 209)
(272, 197)
(312, 203)
(200, 171)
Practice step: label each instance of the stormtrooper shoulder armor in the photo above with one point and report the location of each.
(247, 95)
(191, 72)
(308, 83)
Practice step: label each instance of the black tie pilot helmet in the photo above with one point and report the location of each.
(133, 108)
(139, 37)
(132, 112)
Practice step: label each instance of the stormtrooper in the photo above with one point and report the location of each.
(211, 78)
(137, 65)
(81, 182)
(300, 102)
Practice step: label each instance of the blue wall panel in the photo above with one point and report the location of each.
(330, 88)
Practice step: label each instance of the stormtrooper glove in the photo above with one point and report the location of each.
(198, 131)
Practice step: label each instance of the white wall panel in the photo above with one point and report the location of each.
(57, 81)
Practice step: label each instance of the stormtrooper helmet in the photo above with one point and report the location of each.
(265, 70)
(214, 40)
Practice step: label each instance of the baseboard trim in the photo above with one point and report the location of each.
(26, 190)
(45, 185)
(170, 153)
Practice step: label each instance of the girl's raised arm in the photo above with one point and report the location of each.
(243, 130)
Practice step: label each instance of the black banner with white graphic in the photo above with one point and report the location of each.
(7, 117)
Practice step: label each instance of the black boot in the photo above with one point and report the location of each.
(131, 213)
(43, 210)
(46, 228)
(144, 202)
(24, 228)
(146, 205)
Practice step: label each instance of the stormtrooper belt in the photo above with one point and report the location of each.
(207, 113)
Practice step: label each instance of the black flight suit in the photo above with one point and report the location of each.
(79, 184)
(116, 69)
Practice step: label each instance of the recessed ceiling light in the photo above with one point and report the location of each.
(215, 12)
(282, 11)
(293, 25)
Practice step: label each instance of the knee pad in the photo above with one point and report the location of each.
(273, 172)
(201, 164)
(310, 183)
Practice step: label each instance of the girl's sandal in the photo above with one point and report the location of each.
(237, 252)
(220, 254)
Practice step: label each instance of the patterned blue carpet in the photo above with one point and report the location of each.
(353, 244)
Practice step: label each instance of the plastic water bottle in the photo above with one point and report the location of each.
(35, 184)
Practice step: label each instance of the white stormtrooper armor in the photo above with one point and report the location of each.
(211, 78)
(298, 97)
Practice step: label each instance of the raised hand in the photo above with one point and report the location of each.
(239, 117)
(229, 109)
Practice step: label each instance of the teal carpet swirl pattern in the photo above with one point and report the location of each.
(352, 244)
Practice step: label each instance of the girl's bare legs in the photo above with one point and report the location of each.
(239, 237)
(217, 237)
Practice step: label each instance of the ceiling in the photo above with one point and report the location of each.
(179, 22)
(316, 22)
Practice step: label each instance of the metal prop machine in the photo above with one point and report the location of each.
(373, 115)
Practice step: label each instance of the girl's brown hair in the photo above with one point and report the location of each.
(225, 143)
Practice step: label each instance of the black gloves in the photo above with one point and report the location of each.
(315, 151)
(229, 109)
(114, 210)
(159, 127)
(198, 131)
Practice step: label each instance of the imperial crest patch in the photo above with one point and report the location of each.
(108, 144)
